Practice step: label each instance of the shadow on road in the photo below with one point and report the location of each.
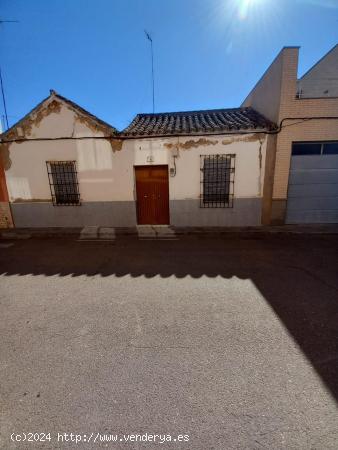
(297, 276)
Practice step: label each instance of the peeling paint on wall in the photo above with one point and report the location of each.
(248, 138)
(91, 124)
(52, 107)
(116, 144)
(34, 119)
(5, 160)
(187, 145)
(25, 129)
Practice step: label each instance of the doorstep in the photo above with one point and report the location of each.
(156, 232)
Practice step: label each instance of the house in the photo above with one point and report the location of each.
(302, 178)
(274, 160)
(66, 168)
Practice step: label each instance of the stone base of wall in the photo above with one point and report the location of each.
(105, 214)
(245, 212)
(5, 215)
(278, 212)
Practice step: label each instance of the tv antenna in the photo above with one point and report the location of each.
(152, 65)
(1, 80)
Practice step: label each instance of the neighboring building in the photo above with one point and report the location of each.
(302, 179)
(67, 168)
(322, 79)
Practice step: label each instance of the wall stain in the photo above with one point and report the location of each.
(187, 145)
(248, 138)
(52, 107)
(260, 159)
(31, 200)
(24, 129)
(92, 125)
(115, 143)
(5, 160)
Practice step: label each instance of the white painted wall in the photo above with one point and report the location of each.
(186, 183)
(105, 175)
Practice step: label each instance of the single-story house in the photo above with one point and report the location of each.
(65, 167)
(62, 166)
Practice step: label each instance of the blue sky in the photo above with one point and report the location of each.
(208, 53)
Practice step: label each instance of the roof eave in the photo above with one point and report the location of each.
(202, 133)
(68, 102)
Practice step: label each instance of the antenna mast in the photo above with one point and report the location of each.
(1, 82)
(4, 99)
(152, 65)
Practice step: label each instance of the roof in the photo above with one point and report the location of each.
(212, 121)
(71, 104)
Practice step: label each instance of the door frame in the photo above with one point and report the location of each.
(148, 166)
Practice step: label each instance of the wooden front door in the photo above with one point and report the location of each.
(152, 191)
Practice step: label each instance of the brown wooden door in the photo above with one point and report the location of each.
(152, 190)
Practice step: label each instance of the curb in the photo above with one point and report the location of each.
(99, 233)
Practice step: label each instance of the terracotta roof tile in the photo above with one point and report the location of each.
(197, 122)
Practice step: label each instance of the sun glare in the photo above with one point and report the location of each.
(245, 6)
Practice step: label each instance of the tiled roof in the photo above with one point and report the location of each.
(198, 122)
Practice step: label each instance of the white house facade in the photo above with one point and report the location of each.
(66, 168)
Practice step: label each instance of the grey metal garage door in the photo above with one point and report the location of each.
(313, 189)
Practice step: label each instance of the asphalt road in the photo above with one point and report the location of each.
(232, 341)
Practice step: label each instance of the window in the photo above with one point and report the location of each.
(63, 182)
(330, 148)
(217, 181)
(314, 148)
(306, 148)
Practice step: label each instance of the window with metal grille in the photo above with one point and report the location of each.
(63, 182)
(217, 181)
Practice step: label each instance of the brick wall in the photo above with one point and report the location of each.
(278, 87)
(295, 130)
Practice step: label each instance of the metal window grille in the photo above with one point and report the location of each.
(63, 183)
(217, 181)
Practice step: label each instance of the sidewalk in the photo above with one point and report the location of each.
(161, 232)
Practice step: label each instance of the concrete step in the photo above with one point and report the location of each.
(156, 232)
(93, 233)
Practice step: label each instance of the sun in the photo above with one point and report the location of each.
(245, 6)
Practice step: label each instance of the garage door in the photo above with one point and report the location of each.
(313, 184)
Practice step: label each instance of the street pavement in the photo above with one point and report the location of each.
(229, 341)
